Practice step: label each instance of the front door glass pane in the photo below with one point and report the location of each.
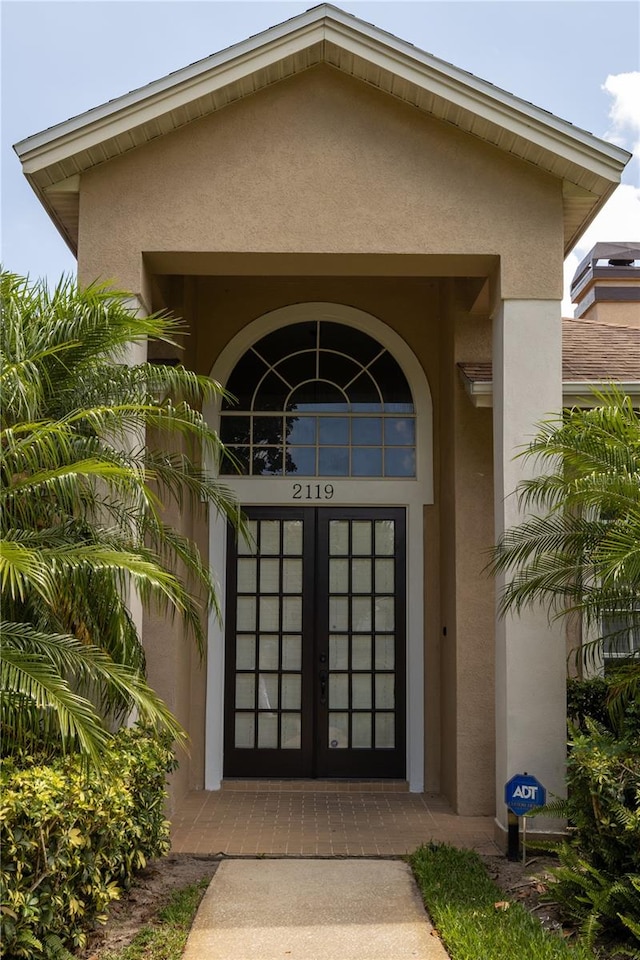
(338, 731)
(245, 652)
(270, 536)
(385, 730)
(361, 653)
(291, 692)
(291, 730)
(246, 576)
(291, 652)
(269, 652)
(245, 731)
(338, 652)
(267, 731)
(361, 576)
(361, 731)
(339, 538)
(269, 576)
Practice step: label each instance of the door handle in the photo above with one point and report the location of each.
(324, 676)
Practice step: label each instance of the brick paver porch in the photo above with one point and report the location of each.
(315, 818)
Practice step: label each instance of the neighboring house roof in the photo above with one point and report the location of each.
(589, 168)
(593, 355)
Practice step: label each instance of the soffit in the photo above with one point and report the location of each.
(588, 168)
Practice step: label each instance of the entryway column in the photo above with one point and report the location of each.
(530, 652)
(136, 353)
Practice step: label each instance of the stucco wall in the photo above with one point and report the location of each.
(174, 665)
(321, 163)
(474, 589)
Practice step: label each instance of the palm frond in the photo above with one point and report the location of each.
(577, 549)
(92, 452)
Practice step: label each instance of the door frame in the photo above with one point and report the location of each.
(412, 494)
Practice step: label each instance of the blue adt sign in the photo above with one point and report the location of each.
(522, 793)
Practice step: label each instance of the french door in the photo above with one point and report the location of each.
(315, 648)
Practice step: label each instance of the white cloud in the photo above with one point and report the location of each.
(619, 220)
(625, 109)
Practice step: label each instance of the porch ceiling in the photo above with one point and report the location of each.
(589, 168)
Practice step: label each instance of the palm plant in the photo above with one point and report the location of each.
(578, 552)
(82, 499)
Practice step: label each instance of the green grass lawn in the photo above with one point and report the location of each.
(461, 901)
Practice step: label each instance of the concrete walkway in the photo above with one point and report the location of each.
(313, 910)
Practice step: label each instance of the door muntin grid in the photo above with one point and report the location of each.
(319, 399)
(315, 649)
(268, 636)
(361, 634)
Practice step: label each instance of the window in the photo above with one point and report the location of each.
(622, 635)
(319, 399)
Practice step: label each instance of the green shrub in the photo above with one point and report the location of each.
(588, 698)
(601, 699)
(598, 880)
(73, 839)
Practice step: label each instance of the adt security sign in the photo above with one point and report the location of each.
(522, 793)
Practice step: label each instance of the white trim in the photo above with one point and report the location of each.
(214, 710)
(574, 392)
(580, 392)
(411, 494)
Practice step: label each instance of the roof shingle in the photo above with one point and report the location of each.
(590, 352)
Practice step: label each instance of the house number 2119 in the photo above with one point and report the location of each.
(313, 491)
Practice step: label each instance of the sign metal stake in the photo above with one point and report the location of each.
(513, 841)
(524, 839)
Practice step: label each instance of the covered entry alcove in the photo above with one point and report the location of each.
(332, 430)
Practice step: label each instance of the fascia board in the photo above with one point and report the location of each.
(53, 216)
(586, 221)
(581, 392)
(364, 40)
(574, 392)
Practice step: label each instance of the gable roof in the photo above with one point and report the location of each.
(593, 355)
(589, 168)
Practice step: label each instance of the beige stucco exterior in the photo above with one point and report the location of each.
(321, 189)
(322, 165)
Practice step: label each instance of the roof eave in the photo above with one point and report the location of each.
(575, 393)
(58, 222)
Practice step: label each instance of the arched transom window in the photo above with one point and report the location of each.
(319, 399)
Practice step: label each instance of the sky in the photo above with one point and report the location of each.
(579, 59)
